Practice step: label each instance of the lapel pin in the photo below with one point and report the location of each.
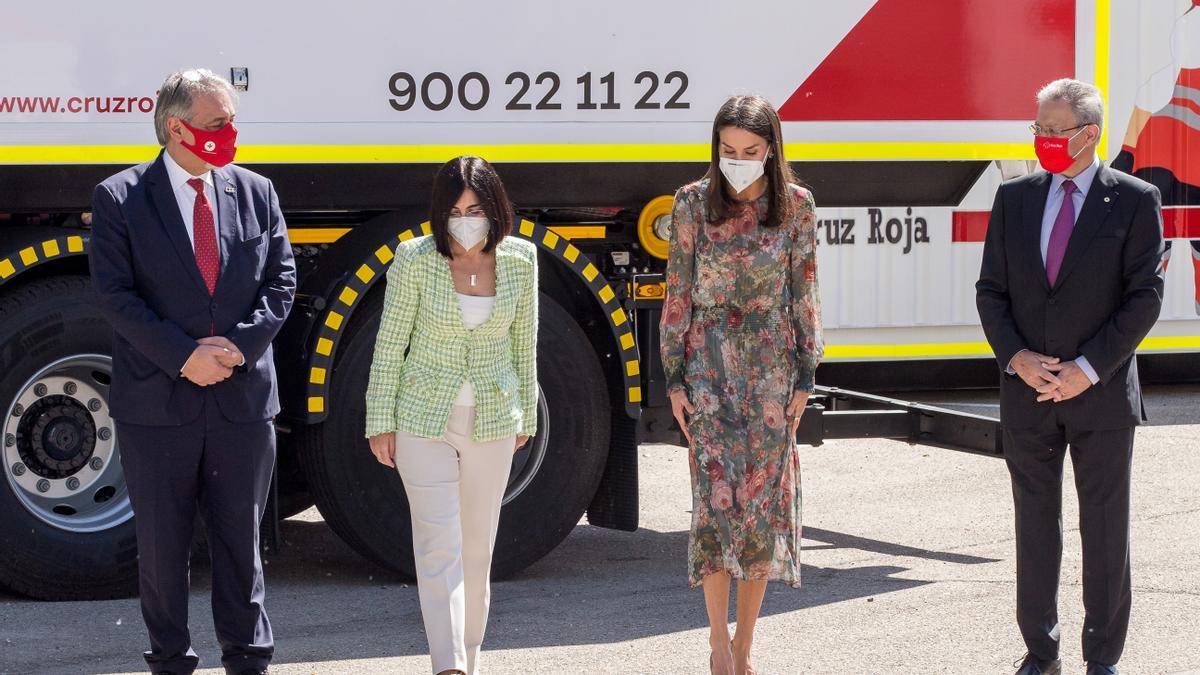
(229, 189)
(1106, 199)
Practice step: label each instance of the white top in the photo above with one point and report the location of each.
(185, 195)
(476, 310)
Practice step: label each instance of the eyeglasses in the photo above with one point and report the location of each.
(471, 213)
(1044, 131)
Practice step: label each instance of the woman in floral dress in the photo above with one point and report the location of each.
(741, 339)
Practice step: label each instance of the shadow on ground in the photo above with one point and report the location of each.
(600, 586)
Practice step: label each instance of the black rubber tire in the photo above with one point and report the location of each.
(363, 501)
(40, 322)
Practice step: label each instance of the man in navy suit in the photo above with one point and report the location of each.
(192, 266)
(1071, 282)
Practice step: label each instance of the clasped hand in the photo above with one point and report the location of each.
(213, 361)
(1052, 379)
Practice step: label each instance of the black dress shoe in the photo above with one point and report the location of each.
(1032, 665)
(1101, 669)
(253, 671)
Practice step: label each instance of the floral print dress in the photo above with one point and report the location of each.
(741, 330)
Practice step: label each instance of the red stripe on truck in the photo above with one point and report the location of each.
(969, 225)
(1179, 222)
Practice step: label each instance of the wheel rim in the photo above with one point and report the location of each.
(60, 447)
(528, 459)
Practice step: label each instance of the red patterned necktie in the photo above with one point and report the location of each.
(204, 233)
(1060, 234)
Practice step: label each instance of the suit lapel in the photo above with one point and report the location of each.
(445, 286)
(163, 195)
(503, 272)
(1033, 207)
(1101, 197)
(227, 216)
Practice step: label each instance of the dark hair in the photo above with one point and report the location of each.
(756, 115)
(452, 180)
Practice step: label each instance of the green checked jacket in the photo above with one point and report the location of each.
(421, 314)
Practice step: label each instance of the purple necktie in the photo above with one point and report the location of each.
(1061, 234)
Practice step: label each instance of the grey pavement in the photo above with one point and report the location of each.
(908, 567)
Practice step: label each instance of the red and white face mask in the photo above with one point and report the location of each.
(217, 148)
(1053, 153)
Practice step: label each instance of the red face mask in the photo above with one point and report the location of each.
(1053, 154)
(215, 147)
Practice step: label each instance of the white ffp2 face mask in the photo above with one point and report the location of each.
(741, 173)
(468, 230)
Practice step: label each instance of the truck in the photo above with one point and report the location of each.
(903, 116)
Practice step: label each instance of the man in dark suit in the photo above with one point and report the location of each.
(191, 265)
(1071, 282)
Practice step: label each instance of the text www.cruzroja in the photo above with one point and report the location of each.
(77, 105)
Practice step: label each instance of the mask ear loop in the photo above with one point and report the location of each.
(1076, 155)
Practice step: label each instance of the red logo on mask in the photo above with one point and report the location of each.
(218, 148)
(1053, 153)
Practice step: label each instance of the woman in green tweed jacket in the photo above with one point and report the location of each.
(449, 414)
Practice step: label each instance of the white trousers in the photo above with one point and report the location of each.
(454, 488)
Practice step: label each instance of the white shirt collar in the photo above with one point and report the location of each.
(1083, 182)
(179, 176)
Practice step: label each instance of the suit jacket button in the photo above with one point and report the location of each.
(1053, 301)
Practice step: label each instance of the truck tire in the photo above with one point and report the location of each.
(66, 525)
(554, 476)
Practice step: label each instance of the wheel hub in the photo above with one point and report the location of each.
(56, 436)
(60, 453)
